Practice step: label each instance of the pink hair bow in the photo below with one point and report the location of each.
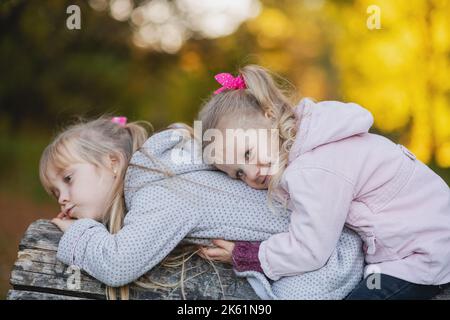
(122, 121)
(229, 82)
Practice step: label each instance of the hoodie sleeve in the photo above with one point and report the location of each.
(321, 201)
(152, 229)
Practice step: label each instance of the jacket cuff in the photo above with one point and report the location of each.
(264, 263)
(245, 256)
(72, 245)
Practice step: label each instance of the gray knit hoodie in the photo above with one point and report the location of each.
(196, 203)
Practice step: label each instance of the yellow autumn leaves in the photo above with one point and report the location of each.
(400, 72)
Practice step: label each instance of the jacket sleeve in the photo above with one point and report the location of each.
(152, 228)
(321, 201)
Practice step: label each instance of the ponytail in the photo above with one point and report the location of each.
(138, 133)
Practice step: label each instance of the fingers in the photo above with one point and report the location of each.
(209, 253)
(215, 252)
(57, 222)
(221, 253)
(202, 255)
(227, 245)
(61, 215)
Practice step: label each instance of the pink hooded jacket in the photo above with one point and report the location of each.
(338, 174)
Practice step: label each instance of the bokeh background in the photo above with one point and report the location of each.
(155, 60)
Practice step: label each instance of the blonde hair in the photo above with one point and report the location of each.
(92, 141)
(262, 96)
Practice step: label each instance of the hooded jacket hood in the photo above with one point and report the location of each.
(325, 122)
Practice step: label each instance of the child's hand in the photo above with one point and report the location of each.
(62, 221)
(223, 252)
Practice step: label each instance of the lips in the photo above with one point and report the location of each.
(69, 211)
(266, 179)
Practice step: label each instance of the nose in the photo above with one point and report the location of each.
(265, 168)
(264, 160)
(63, 198)
(252, 172)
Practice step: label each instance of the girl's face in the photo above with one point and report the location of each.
(82, 189)
(255, 158)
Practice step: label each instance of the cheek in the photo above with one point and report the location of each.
(222, 168)
(250, 182)
(271, 150)
(93, 189)
(96, 196)
(105, 187)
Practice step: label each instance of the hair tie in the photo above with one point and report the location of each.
(229, 82)
(122, 121)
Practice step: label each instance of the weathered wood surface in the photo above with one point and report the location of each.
(37, 274)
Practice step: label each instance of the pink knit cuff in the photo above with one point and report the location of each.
(245, 256)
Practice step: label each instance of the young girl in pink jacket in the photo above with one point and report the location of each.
(320, 160)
